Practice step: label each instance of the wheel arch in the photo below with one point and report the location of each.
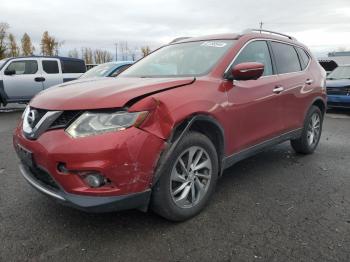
(208, 126)
(319, 102)
(205, 124)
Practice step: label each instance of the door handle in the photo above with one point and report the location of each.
(39, 79)
(309, 81)
(278, 89)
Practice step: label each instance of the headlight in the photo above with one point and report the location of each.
(91, 123)
(25, 111)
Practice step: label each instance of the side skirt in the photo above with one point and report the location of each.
(248, 152)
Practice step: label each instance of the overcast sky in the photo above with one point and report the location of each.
(322, 25)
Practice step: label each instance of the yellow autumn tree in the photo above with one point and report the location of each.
(27, 46)
(3, 36)
(49, 45)
(145, 51)
(12, 46)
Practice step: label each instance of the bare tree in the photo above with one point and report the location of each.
(73, 53)
(133, 53)
(49, 45)
(124, 50)
(87, 55)
(102, 56)
(13, 47)
(3, 35)
(145, 50)
(27, 47)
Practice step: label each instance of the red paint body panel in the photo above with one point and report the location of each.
(104, 93)
(255, 112)
(249, 113)
(124, 157)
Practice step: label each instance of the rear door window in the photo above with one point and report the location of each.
(50, 66)
(72, 66)
(286, 57)
(23, 67)
(256, 51)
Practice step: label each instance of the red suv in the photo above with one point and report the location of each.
(161, 133)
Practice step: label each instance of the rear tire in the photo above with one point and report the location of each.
(311, 133)
(188, 180)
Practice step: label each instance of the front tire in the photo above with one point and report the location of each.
(311, 133)
(188, 180)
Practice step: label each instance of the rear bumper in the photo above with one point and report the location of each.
(94, 204)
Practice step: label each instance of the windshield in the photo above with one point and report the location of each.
(99, 71)
(341, 72)
(184, 59)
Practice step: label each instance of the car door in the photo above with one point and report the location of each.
(52, 72)
(254, 107)
(22, 79)
(294, 81)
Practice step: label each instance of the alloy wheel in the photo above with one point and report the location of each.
(190, 177)
(313, 131)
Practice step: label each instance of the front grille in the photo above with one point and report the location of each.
(43, 177)
(338, 91)
(65, 119)
(62, 121)
(41, 113)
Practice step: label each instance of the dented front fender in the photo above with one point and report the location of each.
(159, 121)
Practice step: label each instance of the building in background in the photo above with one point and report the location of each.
(334, 59)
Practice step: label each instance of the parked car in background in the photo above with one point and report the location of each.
(161, 133)
(21, 78)
(89, 66)
(338, 87)
(107, 69)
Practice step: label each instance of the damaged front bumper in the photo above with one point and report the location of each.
(89, 203)
(126, 159)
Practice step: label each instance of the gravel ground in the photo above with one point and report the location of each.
(275, 206)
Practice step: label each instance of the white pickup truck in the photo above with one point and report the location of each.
(23, 77)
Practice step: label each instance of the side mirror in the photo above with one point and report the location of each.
(10, 72)
(247, 71)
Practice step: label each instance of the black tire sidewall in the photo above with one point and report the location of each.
(161, 198)
(313, 110)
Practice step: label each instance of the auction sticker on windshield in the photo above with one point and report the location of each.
(214, 44)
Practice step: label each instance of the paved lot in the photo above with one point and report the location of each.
(276, 206)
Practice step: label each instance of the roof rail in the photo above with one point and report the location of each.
(267, 31)
(179, 39)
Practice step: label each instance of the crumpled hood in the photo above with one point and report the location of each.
(103, 93)
(338, 83)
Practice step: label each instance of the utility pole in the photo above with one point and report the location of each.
(261, 25)
(116, 51)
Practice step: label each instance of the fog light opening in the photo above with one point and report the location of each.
(61, 167)
(95, 180)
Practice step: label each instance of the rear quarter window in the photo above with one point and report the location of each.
(286, 57)
(72, 66)
(304, 58)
